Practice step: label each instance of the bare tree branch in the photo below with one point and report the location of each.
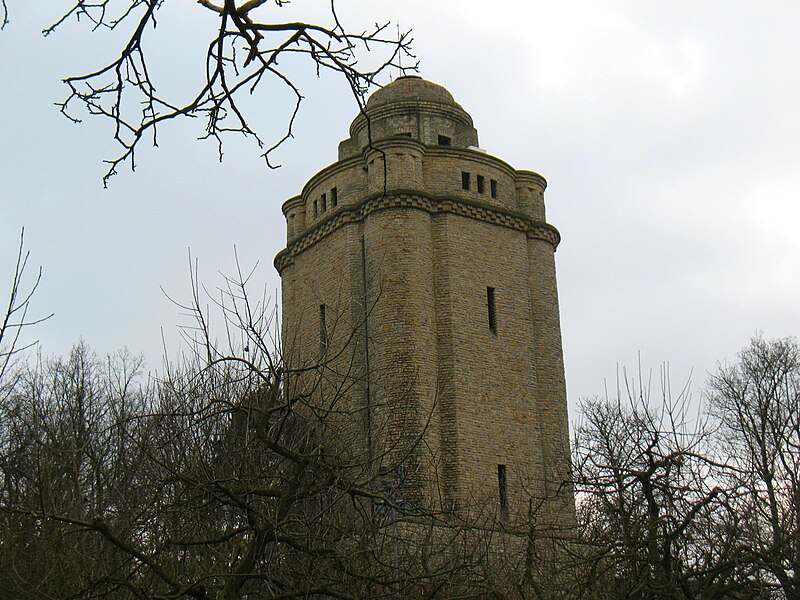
(242, 55)
(15, 318)
(226, 478)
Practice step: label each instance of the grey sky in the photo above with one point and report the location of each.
(669, 133)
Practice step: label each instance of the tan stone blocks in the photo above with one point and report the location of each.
(409, 265)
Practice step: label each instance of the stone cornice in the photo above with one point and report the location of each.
(414, 200)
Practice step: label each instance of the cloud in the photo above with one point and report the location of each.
(669, 134)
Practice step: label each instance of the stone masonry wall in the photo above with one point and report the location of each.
(402, 264)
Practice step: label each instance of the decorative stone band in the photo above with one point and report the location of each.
(414, 200)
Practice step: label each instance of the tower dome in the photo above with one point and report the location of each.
(411, 107)
(411, 88)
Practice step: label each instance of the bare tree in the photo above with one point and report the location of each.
(218, 481)
(654, 519)
(243, 54)
(15, 319)
(62, 455)
(757, 403)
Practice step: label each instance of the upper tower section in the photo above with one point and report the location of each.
(412, 139)
(414, 108)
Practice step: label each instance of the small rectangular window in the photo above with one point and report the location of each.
(323, 329)
(334, 197)
(502, 486)
(493, 186)
(404, 134)
(315, 209)
(464, 180)
(324, 200)
(444, 140)
(490, 306)
(480, 184)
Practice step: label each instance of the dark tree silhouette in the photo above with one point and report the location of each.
(757, 403)
(655, 518)
(225, 479)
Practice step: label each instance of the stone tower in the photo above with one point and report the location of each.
(419, 281)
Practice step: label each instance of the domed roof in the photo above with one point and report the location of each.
(411, 88)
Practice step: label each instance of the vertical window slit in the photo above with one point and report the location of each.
(480, 184)
(323, 330)
(465, 180)
(492, 313)
(334, 197)
(502, 486)
(493, 187)
(324, 203)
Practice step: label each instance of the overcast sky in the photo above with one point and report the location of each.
(669, 133)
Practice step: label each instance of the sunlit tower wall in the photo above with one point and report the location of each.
(419, 282)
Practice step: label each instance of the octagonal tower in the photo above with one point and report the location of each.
(418, 283)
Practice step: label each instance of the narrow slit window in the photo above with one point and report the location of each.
(404, 134)
(324, 200)
(323, 329)
(480, 184)
(491, 309)
(334, 197)
(493, 187)
(502, 488)
(444, 140)
(315, 209)
(465, 180)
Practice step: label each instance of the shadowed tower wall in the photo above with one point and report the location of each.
(419, 283)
